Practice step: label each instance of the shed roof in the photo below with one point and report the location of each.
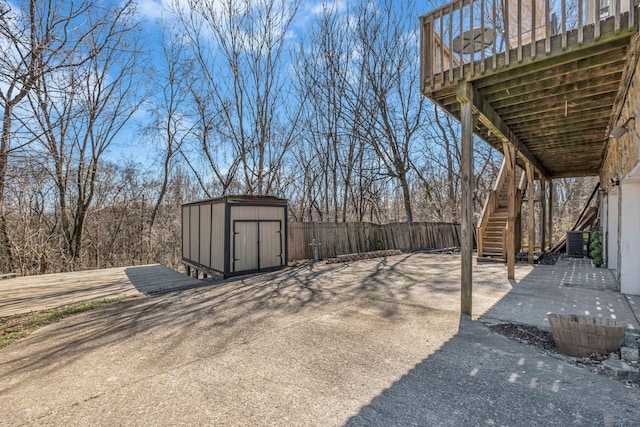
(243, 198)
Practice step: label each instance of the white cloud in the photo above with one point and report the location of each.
(337, 6)
(156, 9)
(152, 9)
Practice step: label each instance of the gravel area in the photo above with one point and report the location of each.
(542, 340)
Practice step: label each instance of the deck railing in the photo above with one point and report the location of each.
(469, 31)
(490, 206)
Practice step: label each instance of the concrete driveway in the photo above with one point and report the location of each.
(35, 293)
(378, 342)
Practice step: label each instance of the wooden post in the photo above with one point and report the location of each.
(543, 214)
(465, 97)
(426, 50)
(530, 219)
(550, 216)
(510, 153)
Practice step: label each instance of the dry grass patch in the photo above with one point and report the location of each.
(18, 326)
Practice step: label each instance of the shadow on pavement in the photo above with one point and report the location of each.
(482, 378)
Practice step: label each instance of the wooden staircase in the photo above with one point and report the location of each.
(492, 227)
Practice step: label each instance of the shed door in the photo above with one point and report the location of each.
(270, 244)
(245, 245)
(256, 245)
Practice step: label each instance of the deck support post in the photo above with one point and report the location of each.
(465, 97)
(510, 154)
(543, 214)
(531, 193)
(550, 215)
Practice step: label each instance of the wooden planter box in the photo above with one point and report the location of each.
(582, 336)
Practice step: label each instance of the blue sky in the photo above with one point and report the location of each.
(131, 146)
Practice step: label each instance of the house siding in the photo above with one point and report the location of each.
(622, 154)
(620, 180)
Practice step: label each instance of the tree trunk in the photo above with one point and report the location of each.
(6, 253)
(406, 195)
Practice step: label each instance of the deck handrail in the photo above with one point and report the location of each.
(490, 206)
(492, 201)
(470, 31)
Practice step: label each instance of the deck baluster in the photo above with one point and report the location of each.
(519, 13)
(547, 27)
(494, 62)
(580, 22)
(596, 19)
(533, 28)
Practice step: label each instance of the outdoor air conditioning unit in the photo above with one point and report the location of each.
(578, 243)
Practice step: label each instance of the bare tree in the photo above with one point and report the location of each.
(438, 169)
(170, 126)
(40, 37)
(239, 47)
(395, 107)
(322, 67)
(78, 111)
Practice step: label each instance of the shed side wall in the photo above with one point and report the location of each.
(185, 232)
(205, 235)
(217, 237)
(194, 233)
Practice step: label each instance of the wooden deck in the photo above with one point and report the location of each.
(34, 293)
(554, 98)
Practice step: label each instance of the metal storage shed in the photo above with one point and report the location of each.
(234, 235)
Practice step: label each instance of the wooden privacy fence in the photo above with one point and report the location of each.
(354, 237)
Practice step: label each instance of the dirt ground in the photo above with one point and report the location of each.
(542, 341)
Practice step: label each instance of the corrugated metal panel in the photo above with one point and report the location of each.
(244, 212)
(270, 244)
(271, 212)
(185, 232)
(217, 236)
(245, 246)
(194, 234)
(205, 235)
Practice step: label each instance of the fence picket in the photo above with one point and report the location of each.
(345, 238)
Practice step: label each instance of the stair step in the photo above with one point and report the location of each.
(484, 258)
(492, 245)
(497, 237)
(492, 238)
(493, 235)
(495, 226)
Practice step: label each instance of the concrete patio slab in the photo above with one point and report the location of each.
(572, 286)
(35, 293)
(377, 342)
